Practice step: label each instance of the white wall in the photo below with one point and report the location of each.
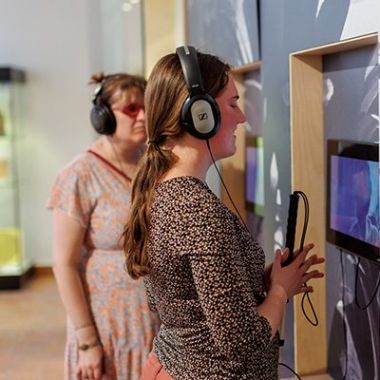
(121, 38)
(52, 40)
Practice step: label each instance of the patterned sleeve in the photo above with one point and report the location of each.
(222, 285)
(150, 299)
(72, 193)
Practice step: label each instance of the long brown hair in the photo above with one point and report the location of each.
(165, 93)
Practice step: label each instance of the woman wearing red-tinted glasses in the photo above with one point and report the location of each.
(110, 327)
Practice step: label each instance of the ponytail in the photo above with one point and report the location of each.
(156, 162)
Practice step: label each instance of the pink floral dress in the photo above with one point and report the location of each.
(95, 195)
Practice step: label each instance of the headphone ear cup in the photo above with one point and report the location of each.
(185, 118)
(103, 120)
(200, 115)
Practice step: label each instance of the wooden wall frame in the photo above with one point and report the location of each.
(233, 168)
(308, 175)
(159, 31)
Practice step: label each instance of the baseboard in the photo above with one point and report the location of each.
(16, 281)
(43, 271)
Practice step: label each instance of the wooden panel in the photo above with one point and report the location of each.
(308, 175)
(185, 26)
(237, 70)
(233, 168)
(160, 30)
(318, 377)
(349, 44)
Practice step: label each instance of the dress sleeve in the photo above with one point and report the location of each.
(223, 286)
(150, 299)
(73, 194)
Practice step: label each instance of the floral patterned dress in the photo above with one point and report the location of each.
(95, 195)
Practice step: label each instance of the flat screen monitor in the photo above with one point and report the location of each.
(353, 197)
(254, 175)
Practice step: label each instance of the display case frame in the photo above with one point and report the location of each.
(15, 268)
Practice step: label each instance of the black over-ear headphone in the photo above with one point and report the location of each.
(102, 118)
(200, 113)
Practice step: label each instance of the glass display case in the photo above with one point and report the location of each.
(14, 267)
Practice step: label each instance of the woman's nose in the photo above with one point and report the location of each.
(242, 118)
(141, 115)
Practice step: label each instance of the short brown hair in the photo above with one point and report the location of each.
(115, 84)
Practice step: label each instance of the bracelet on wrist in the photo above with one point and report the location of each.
(87, 346)
(84, 326)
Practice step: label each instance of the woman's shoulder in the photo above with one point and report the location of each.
(73, 190)
(187, 195)
(185, 189)
(79, 165)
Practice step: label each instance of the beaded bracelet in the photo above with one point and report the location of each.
(87, 346)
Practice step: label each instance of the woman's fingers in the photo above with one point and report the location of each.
(308, 247)
(277, 259)
(310, 275)
(97, 374)
(88, 373)
(302, 255)
(307, 289)
(312, 260)
(285, 255)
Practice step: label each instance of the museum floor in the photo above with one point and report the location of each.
(32, 331)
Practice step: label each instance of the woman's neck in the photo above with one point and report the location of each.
(193, 160)
(121, 155)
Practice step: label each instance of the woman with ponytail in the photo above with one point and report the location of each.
(204, 273)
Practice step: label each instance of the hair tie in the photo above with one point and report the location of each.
(154, 143)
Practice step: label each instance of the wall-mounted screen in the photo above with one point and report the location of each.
(353, 197)
(254, 175)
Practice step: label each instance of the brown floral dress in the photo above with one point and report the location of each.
(206, 283)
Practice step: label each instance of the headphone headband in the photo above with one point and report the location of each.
(190, 68)
(97, 91)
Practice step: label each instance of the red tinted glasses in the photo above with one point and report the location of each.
(132, 110)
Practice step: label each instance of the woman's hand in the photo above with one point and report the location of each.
(293, 277)
(268, 269)
(90, 363)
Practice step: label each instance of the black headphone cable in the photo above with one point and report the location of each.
(344, 316)
(356, 289)
(224, 185)
(306, 294)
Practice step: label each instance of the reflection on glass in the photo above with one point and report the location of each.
(229, 29)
